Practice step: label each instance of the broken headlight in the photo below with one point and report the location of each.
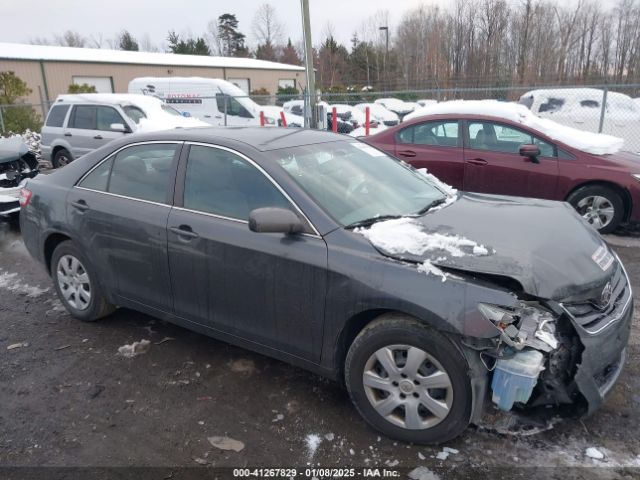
(523, 325)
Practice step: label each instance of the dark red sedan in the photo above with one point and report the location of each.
(493, 154)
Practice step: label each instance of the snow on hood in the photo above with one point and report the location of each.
(158, 119)
(407, 236)
(594, 143)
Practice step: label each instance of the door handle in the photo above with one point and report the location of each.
(67, 134)
(407, 153)
(98, 137)
(80, 205)
(184, 231)
(477, 161)
(217, 116)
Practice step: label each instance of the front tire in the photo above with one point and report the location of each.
(76, 284)
(408, 381)
(61, 158)
(601, 206)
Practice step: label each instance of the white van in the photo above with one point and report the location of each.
(207, 99)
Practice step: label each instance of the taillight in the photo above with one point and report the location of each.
(25, 197)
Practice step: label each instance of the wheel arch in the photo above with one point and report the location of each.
(356, 324)
(51, 242)
(623, 192)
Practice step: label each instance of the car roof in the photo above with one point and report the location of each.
(260, 138)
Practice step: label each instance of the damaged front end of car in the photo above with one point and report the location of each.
(17, 165)
(549, 359)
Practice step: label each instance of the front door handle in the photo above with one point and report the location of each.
(80, 205)
(98, 137)
(67, 134)
(184, 231)
(477, 161)
(407, 153)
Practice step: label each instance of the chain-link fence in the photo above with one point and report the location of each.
(609, 109)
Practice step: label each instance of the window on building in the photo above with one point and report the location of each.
(101, 84)
(287, 83)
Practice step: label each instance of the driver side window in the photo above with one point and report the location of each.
(496, 137)
(232, 105)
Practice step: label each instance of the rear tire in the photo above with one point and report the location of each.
(425, 397)
(76, 284)
(61, 158)
(601, 206)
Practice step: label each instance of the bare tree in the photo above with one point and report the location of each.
(266, 28)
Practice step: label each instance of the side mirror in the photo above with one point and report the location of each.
(119, 127)
(531, 152)
(274, 220)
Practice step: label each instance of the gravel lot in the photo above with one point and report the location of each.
(68, 399)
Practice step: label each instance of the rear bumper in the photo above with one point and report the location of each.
(9, 200)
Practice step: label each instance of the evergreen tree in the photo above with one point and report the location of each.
(190, 46)
(231, 39)
(290, 55)
(127, 42)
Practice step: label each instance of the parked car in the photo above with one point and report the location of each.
(78, 124)
(380, 113)
(400, 107)
(207, 99)
(351, 114)
(502, 148)
(325, 252)
(582, 108)
(17, 165)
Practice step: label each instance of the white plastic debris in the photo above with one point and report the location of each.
(421, 456)
(136, 348)
(390, 463)
(450, 450)
(13, 346)
(278, 418)
(593, 452)
(329, 437)
(226, 443)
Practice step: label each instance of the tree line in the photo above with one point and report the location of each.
(483, 43)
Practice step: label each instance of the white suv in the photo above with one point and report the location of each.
(78, 124)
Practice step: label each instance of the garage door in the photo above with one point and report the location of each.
(102, 84)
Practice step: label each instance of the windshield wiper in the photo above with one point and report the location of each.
(367, 222)
(430, 205)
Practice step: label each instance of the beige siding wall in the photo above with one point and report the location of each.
(60, 75)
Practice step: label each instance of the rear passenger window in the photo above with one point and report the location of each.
(57, 115)
(83, 116)
(143, 172)
(98, 179)
(442, 134)
(222, 183)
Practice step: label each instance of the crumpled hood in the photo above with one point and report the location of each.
(544, 245)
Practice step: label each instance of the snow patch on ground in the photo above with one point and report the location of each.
(593, 452)
(135, 349)
(313, 441)
(11, 282)
(423, 473)
(595, 143)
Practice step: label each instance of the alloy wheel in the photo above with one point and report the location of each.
(408, 387)
(74, 282)
(596, 210)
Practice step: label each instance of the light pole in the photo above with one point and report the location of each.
(386, 53)
(310, 119)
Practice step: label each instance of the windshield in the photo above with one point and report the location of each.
(170, 110)
(134, 113)
(353, 181)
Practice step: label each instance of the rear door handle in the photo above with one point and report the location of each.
(98, 137)
(80, 205)
(67, 134)
(407, 153)
(184, 231)
(477, 161)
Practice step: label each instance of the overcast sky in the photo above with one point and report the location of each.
(26, 19)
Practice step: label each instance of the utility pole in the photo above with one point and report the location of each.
(386, 55)
(310, 119)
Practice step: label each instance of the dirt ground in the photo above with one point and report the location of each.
(67, 399)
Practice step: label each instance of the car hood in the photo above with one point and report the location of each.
(544, 245)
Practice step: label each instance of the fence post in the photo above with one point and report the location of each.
(367, 118)
(604, 106)
(1, 121)
(45, 108)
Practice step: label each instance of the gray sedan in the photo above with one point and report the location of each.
(432, 306)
